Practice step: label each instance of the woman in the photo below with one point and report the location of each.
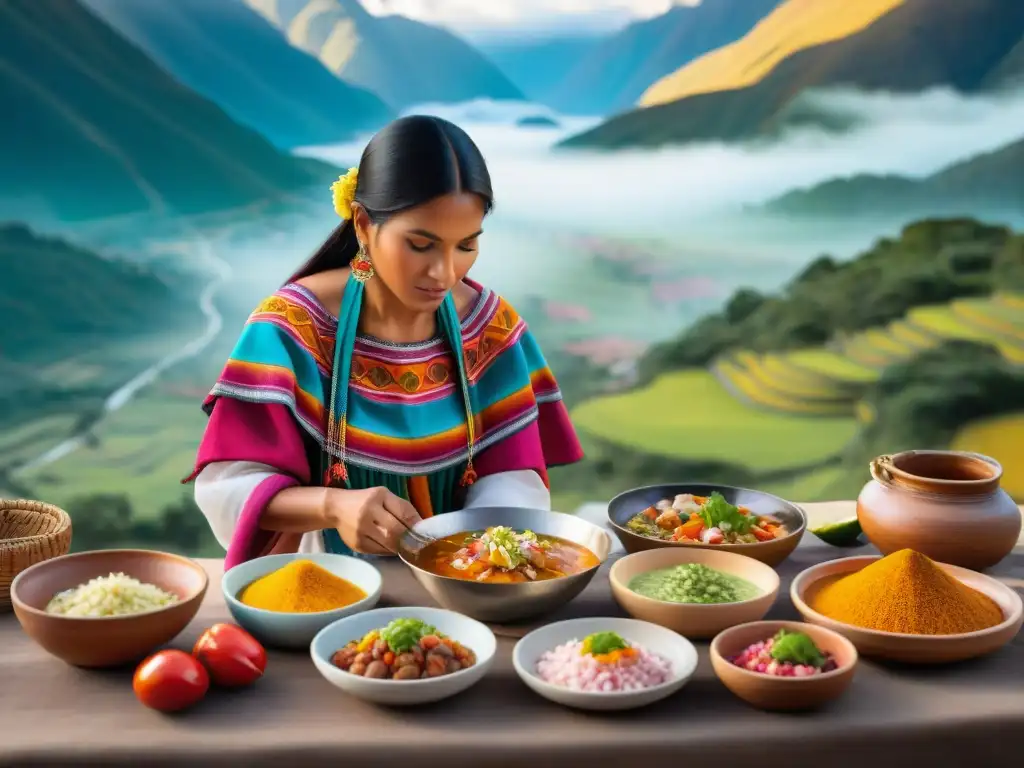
(380, 385)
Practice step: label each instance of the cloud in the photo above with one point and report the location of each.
(664, 191)
(484, 14)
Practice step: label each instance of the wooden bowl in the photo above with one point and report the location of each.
(626, 505)
(783, 693)
(107, 641)
(693, 620)
(913, 649)
(30, 532)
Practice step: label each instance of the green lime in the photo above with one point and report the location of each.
(842, 533)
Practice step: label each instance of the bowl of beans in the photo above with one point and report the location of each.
(784, 665)
(695, 592)
(404, 656)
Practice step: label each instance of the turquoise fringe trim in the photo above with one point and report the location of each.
(442, 484)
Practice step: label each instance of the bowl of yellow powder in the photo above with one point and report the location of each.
(906, 607)
(284, 600)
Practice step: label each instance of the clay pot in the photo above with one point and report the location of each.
(944, 504)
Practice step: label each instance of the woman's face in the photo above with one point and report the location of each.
(422, 253)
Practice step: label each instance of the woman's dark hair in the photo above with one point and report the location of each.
(409, 162)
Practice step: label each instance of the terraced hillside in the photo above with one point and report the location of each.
(691, 415)
(789, 415)
(829, 381)
(1001, 438)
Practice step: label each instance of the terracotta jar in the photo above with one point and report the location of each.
(944, 504)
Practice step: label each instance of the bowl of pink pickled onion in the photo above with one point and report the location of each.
(604, 663)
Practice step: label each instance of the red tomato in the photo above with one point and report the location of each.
(170, 681)
(233, 657)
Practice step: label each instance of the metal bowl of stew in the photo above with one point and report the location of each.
(624, 506)
(503, 602)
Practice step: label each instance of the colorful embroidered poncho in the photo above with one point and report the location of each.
(405, 411)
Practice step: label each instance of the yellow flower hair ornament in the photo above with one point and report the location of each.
(344, 191)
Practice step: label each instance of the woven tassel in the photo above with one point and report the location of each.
(469, 476)
(335, 474)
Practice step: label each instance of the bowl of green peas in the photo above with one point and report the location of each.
(695, 592)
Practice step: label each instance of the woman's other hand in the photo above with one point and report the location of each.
(371, 521)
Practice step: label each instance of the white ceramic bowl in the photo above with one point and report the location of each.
(675, 648)
(469, 632)
(296, 630)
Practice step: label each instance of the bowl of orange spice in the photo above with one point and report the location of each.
(285, 600)
(906, 607)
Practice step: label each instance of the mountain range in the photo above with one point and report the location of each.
(404, 61)
(230, 54)
(993, 181)
(1010, 71)
(616, 73)
(538, 66)
(750, 88)
(795, 26)
(98, 129)
(42, 296)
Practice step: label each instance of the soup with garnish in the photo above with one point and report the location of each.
(689, 519)
(503, 555)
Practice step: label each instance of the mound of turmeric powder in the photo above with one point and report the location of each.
(302, 586)
(906, 592)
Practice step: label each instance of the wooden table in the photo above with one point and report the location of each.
(965, 715)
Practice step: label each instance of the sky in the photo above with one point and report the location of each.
(492, 16)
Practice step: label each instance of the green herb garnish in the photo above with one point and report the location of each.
(716, 512)
(503, 548)
(796, 648)
(601, 643)
(403, 635)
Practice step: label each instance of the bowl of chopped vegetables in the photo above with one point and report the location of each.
(404, 656)
(704, 515)
(107, 607)
(695, 592)
(784, 665)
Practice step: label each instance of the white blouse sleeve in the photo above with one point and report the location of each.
(519, 488)
(221, 490)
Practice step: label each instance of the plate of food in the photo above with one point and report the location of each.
(604, 663)
(404, 656)
(740, 520)
(504, 564)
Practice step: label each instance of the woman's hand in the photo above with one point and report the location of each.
(371, 521)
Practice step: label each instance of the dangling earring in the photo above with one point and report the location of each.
(362, 267)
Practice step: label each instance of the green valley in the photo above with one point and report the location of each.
(795, 391)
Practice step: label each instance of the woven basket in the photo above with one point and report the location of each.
(30, 532)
